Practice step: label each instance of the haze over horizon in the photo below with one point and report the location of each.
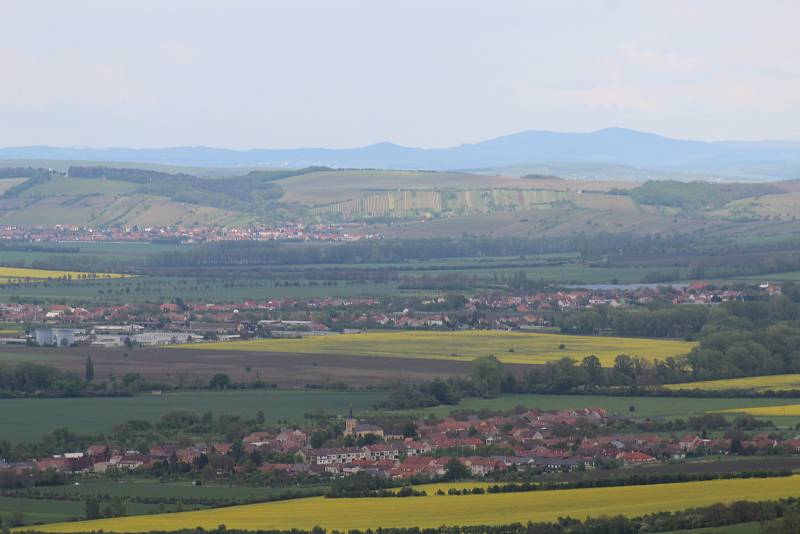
(143, 74)
(414, 146)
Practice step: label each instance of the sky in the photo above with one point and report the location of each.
(279, 74)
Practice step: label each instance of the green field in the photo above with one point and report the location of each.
(654, 407)
(149, 487)
(14, 357)
(166, 289)
(509, 347)
(29, 419)
(465, 265)
(567, 273)
(791, 276)
(131, 254)
(50, 511)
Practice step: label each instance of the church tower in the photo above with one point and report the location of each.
(350, 423)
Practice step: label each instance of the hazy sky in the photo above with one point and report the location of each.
(432, 73)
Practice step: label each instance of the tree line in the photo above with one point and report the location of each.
(255, 192)
(399, 250)
(694, 196)
(35, 177)
(736, 339)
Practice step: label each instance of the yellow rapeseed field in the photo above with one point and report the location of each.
(784, 409)
(509, 347)
(759, 383)
(433, 511)
(9, 275)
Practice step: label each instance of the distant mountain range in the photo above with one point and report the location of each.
(759, 160)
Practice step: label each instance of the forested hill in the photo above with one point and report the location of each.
(611, 145)
(251, 193)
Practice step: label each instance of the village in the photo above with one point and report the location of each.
(193, 322)
(63, 233)
(532, 441)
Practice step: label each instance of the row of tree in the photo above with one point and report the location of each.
(28, 378)
(399, 250)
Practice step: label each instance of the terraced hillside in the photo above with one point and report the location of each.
(414, 203)
(418, 203)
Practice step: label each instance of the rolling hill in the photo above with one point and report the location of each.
(399, 203)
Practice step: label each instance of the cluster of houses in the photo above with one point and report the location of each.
(612, 296)
(167, 323)
(199, 313)
(528, 440)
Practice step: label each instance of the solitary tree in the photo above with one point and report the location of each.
(89, 369)
(594, 370)
(624, 369)
(92, 508)
(318, 438)
(220, 381)
(487, 376)
(202, 462)
(455, 470)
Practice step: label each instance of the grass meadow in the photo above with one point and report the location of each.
(433, 510)
(508, 347)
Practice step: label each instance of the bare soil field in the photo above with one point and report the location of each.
(284, 369)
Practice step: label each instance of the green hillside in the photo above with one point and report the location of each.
(413, 203)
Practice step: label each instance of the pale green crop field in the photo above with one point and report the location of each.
(508, 347)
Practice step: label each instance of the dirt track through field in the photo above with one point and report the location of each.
(284, 369)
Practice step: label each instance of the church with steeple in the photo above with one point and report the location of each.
(353, 428)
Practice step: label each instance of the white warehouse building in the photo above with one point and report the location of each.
(46, 337)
